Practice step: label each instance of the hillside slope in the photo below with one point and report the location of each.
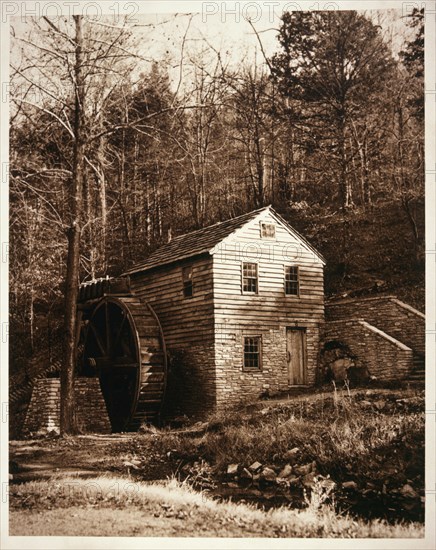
(378, 255)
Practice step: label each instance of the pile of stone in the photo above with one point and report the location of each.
(291, 475)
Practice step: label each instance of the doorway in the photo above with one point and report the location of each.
(296, 356)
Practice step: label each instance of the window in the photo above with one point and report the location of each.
(252, 352)
(267, 230)
(249, 277)
(292, 283)
(188, 288)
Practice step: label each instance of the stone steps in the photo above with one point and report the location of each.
(418, 371)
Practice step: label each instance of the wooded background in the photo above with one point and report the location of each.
(117, 152)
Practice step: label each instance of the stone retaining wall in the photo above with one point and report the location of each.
(43, 414)
(399, 320)
(383, 356)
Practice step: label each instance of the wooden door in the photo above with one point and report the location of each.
(296, 355)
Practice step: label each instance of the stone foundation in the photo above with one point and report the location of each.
(43, 414)
(191, 387)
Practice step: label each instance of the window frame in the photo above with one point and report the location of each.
(188, 281)
(250, 292)
(297, 295)
(266, 237)
(246, 368)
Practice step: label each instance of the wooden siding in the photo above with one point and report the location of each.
(185, 321)
(270, 305)
(266, 313)
(187, 324)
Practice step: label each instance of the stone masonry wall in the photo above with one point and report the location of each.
(43, 414)
(234, 384)
(191, 387)
(382, 355)
(387, 313)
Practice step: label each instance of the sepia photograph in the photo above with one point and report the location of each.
(218, 259)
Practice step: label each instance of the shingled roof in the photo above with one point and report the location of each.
(203, 241)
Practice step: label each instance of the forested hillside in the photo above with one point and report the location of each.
(113, 161)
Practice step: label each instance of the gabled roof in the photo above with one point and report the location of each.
(204, 240)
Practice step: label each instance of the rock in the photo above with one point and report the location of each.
(326, 483)
(245, 474)
(268, 474)
(408, 491)
(357, 375)
(294, 481)
(286, 472)
(308, 481)
(303, 470)
(366, 404)
(291, 455)
(340, 367)
(380, 405)
(255, 467)
(349, 485)
(232, 469)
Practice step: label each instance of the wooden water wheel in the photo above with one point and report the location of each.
(124, 347)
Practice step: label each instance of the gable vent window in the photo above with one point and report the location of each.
(252, 353)
(249, 278)
(188, 287)
(292, 280)
(267, 230)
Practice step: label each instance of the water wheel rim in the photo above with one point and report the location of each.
(149, 329)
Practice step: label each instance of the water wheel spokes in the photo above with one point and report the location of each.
(124, 347)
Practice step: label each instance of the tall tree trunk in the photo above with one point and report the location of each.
(344, 184)
(102, 194)
(32, 319)
(67, 423)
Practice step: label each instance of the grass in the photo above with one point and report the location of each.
(337, 432)
(118, 506)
